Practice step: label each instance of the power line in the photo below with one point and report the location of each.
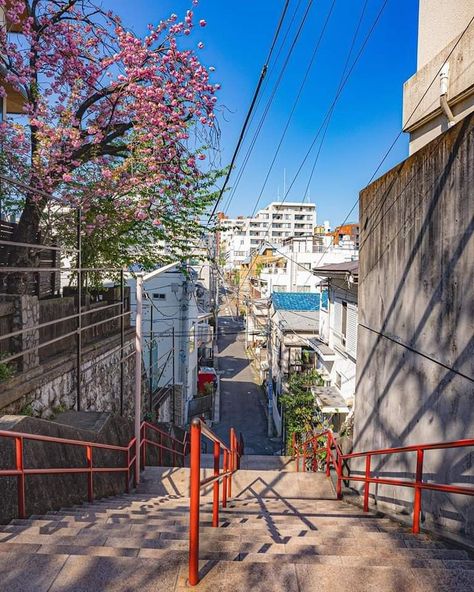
(330, 110)
(249, 112)
(249, 150)
(415, 351)
(295, 104)
(270, 100)
(409, 118)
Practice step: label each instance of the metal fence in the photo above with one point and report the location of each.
(53, 308)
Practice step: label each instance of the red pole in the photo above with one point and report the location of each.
(195, 490)
(339, 473)
(135, 480)
(21, 477)
(304, 457)
(90, 476)
(367, 484)
(328, 457)
(215, 501)
(127, 474)
(417, 501)
(224, 481)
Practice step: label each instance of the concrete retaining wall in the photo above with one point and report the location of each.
(415, 355)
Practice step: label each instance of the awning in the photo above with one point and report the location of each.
(324, 351)
(329, 399)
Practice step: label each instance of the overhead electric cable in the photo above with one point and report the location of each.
(328, 113)
(270, 101)
(250, 110)
(295, 104)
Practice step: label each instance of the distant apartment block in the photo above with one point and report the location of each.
(274, 223)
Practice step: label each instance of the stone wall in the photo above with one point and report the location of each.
(52, 386)
(51, 492)
(415, 355)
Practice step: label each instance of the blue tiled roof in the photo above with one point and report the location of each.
(297, 300)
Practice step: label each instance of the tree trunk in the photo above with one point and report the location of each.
(27, 231)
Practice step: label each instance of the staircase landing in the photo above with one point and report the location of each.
(274, 536)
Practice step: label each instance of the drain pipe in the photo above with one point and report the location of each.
(443, 92)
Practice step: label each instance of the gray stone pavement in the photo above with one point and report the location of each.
(242, 398)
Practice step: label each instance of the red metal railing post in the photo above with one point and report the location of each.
(339, 473)
(143, 447)
(231, 463)
(135, 480)
(215, 501)
(304, 457)
(418, 482)
(21, 477)
(90, 475)
(366, 483)
(296, 452)
(328, 456)
(224, 481)
(127, 474)
(195, 490)
(160, 448)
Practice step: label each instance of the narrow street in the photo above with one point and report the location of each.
(242, 400)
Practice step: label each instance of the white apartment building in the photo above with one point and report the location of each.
(274, 224)
(291, 270)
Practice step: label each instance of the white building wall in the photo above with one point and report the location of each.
(174, 307)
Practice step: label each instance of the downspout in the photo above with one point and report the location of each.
(443, 92)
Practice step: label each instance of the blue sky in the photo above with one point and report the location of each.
(367, 117)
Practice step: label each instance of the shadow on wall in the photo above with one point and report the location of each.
(415, 375)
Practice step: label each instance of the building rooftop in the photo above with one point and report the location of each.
(335, 269)
(295, 301)
(300, 322)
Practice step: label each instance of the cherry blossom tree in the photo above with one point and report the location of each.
(108, 115)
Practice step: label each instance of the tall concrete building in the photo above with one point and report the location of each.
(441, 93)
(274, 224)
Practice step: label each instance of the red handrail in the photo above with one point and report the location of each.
(336, 458)
(21, 472)
(231, 462)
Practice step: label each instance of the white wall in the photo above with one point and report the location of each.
(176, 310)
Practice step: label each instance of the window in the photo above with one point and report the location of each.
(306, 265)
(279, 288)
(338, 380)
(344, 323)
(303, 288)
(159, 296)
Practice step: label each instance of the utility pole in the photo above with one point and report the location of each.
(270, 374)
(173, 416)
(138, 375)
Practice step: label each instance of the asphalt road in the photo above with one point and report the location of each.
(242, 399)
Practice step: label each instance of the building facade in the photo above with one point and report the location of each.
(441, 93)
(336, 346)
(273, 224)
(291, 268)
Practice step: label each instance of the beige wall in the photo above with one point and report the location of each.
(440, 21)
(440, 26)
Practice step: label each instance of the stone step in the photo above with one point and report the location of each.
(211, 544)
(18, 532)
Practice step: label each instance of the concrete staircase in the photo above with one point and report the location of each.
(282, 531)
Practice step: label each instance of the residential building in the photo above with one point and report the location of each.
(293, 321)
(441, 93)
(272, 224)
(336, 345)
(415, 350)
(174, 332)
(291, 268)
(347, 235)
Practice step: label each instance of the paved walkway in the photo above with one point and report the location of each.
(242, 399)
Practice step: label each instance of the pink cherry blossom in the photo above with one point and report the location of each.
(106, 109)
